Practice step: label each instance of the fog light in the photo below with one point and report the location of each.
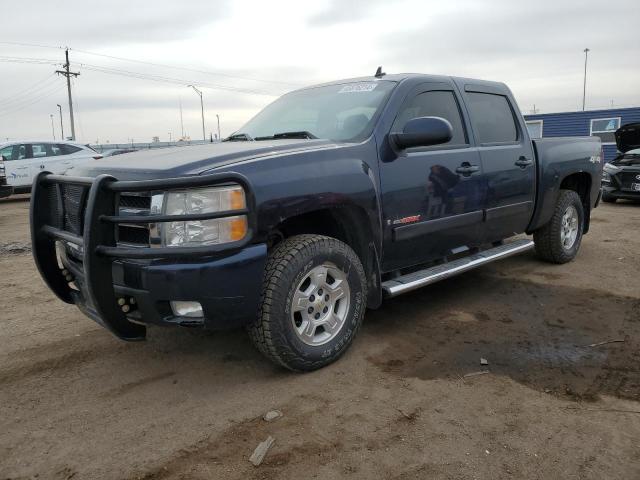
(187, 309)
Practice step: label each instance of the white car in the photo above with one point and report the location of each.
(23, 160)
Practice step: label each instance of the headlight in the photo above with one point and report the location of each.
(606, 178)
(204, 232)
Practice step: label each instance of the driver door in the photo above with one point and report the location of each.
(432, 197)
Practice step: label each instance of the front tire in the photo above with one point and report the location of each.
(313, 302)
(559, 240)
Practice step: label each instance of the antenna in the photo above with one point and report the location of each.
(379, 73)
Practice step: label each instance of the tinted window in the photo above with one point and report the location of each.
(39, 150)
(492, 118)
(7, 152)
(434, 104)
(68, 149)
(15, 152)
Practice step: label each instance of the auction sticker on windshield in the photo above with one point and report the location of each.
(358, 87)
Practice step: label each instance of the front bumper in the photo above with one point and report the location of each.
(619, 184)
(5, 191)
(228, 288)
(96, 273)
(615, 192)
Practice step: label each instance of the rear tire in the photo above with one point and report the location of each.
(559, 240)
(313, 302)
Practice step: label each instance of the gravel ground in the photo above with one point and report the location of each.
(77, 403)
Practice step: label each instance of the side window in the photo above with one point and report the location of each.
(492, 118)
(39, 150)
(68, 149)
(435, 103)
(7, 152)
(20, 152)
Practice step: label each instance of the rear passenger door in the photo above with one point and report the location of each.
(507, 160)
(432, 196)
(48, 157)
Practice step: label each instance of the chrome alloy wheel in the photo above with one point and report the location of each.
(569, 227)
(320, 304)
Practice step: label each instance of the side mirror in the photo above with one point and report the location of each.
(423, 132)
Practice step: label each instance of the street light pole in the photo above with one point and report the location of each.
(204, 135)
(584, 86)
(53, 130)
(218, 117)
(169, 137)
(61, 125)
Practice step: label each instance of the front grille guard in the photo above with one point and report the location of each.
(97, 297)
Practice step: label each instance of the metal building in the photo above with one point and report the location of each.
(600, 123)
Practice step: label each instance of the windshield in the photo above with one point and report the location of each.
(342, 112)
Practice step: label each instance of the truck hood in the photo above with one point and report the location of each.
(628, 137)
(191, 159)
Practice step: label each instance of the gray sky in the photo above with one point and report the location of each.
(243, 54)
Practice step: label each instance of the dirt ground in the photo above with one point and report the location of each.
(75, 402)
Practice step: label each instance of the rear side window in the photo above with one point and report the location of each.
(492, 118)
(68, 149)
(45, 150)
(435, 103)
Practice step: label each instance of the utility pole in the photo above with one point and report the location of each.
(169, 137)
(69, 74)
(61, 125)
(584, 86)
(53, 130)
(204, 135)
(218, 117)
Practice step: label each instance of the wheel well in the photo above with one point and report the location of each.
(347, 224)
(581, 184)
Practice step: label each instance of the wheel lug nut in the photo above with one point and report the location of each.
(310, 310)
(312, 298)
(325, 310)
(326, 298)
(317, 316)
(320, 292)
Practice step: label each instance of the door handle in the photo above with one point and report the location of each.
(467, 169)
(524, 162)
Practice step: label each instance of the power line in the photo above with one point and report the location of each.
(42, 61)
(16, 96)
(19, 44)
(32, 101)
(171, 80)
(188, 69)
(27, 100)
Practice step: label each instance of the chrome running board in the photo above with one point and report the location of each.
(412, 281)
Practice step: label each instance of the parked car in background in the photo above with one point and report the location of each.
(117, 151)
(621, 176)
(23, 160)
(5, 190)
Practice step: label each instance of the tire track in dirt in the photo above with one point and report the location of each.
(533, 333)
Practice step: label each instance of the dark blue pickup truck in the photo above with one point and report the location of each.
(330, 199)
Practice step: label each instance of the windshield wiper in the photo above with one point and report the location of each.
(238, 137)
(295, 134)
